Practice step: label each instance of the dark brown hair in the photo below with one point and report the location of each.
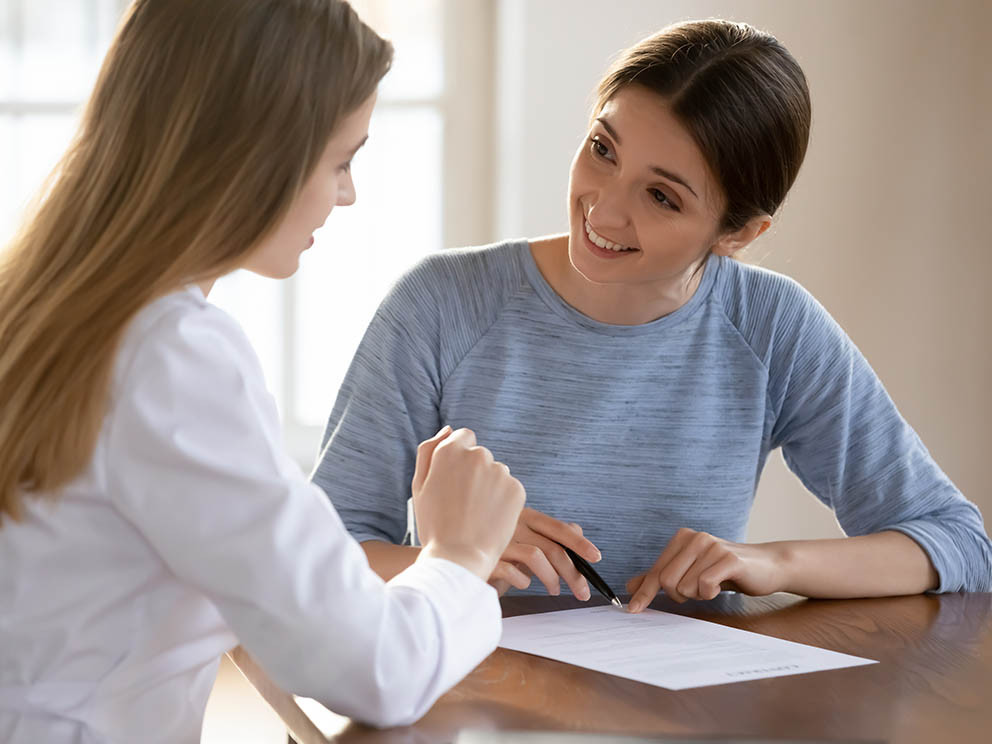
(206, 120)
(740, 94)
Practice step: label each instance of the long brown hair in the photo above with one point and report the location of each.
(206, 119)
(740, 94)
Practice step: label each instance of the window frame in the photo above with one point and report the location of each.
(465, 106)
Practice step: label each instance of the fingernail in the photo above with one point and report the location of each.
(599, 556)
(635, 606)
(584, 594)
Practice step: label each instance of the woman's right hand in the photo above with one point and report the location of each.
(465, 503)
(536, 550)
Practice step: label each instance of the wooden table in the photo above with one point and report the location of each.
(933, 682)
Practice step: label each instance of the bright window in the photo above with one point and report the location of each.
(307, 328)
(411, 178)
(50, 53)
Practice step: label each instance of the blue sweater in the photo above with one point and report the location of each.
(635, 431)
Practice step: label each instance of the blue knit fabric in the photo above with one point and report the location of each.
(635, 431)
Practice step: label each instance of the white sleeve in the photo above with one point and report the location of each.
(195, 462)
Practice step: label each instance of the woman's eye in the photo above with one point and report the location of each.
(599, 147)
(346, 167)
(660, 198)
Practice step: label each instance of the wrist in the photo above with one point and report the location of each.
(469, 557)
(784, 558)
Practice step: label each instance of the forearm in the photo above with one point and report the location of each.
(387, 559)
(877, 565)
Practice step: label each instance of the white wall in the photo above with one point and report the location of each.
(887, 224)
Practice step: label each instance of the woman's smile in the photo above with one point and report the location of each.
(605, 245)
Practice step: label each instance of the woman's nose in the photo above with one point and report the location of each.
(346, 191)
(607, 211)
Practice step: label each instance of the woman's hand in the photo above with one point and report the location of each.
(534, 550)
(465, 503)
(697, 565)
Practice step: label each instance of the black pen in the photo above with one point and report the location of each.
(583, 567)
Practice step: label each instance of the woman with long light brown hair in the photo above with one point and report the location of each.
(149, 519)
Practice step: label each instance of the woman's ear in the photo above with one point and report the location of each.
(729, 243)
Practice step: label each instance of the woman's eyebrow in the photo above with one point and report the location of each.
(673, 177)
(359, 146)
(654, 168)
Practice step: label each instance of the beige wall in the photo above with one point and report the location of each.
(888, 224)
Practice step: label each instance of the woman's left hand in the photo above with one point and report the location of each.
(697, 565)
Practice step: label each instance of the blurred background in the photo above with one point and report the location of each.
(471, 143)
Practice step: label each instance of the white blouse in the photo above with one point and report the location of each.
(192, 531)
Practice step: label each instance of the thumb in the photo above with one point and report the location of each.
(424, 454)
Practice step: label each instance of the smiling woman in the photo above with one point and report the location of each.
(635, 377)
(691, 152)
(643, 228)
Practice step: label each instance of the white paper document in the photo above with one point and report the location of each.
(663, 649)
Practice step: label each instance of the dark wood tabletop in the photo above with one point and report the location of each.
(933, 682)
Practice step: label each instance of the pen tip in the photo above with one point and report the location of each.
(617, 602)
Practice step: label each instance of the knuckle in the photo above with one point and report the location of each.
(702, 539)
(445, 449)
(717, 551)
(482, 454)
(532, 553)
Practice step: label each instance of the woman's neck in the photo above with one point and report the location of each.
(615, 304)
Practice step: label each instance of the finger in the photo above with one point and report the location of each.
(634, 584)
(513, 576)
(537, 563)
(425, 452)
(486, 456)
(500, 585)
(672, 549)
(563, 533)
(651, 583)
(689, 584)
(724, 570)
(645, 593)
(464, 437)
(564, 566)
(575, 527)
(692, 546)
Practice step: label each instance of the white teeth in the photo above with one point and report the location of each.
(603, 242)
